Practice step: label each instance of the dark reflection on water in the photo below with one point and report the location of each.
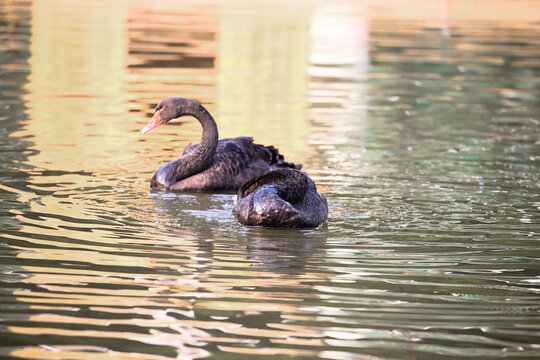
(421, 129)
(182, 39)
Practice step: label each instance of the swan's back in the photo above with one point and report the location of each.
(236, 161)
(244, 151)
(281, 198)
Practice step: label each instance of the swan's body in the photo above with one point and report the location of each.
(210, 165)
(281, 198)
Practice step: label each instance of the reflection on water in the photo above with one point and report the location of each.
(418, 120)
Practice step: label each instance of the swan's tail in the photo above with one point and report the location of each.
(278, 160)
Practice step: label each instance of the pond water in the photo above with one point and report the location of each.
(419, 121)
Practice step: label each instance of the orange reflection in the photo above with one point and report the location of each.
(78, 72)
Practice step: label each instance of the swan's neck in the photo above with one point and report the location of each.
(200, 158)
(197, 160)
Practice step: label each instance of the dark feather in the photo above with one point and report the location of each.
(281, 198)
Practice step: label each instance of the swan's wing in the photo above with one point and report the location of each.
(268, 154)
(235, 161)
(231, 167)
(233, 156)
(250, 152)
(243, 146)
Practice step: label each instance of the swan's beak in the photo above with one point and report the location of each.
(155, 122)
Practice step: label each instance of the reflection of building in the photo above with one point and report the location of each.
(261, 74)
(171, 51)
(77, 80)
(82, 54)
(257, 66)
(101, 65)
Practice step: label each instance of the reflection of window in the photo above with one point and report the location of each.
(170, 40)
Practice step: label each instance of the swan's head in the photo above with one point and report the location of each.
(170, 108)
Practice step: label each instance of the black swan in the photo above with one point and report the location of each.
(281, 198)
(210, 165)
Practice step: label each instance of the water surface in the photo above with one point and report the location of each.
(418, 120)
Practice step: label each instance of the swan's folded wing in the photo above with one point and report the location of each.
(232, 156)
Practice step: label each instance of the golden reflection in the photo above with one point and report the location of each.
(261, 74)
(83, 352)
(258, 351)
(172, 51)
(78, 72)
(433, 13)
